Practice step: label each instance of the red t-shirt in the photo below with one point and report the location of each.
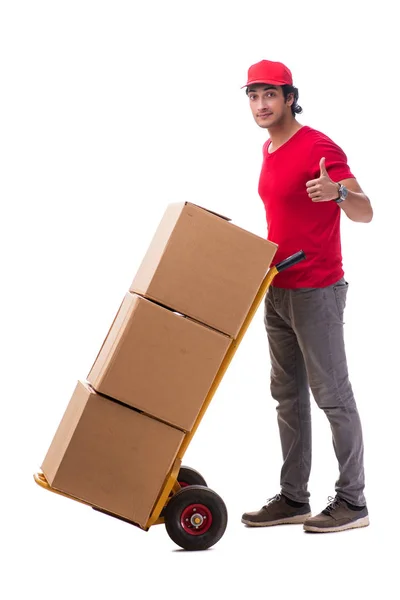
(294, 221)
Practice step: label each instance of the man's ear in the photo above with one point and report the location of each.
(290, 99)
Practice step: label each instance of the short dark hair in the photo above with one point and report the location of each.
(288, 89)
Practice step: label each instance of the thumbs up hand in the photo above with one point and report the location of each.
(323, 188)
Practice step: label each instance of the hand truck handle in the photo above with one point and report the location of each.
(290, 261)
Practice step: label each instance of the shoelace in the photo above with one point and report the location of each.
(275, 498)
(333, 503)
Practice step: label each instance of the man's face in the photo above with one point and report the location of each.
(268, 105)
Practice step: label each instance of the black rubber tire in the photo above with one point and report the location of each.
(189, 476)
(208, 501)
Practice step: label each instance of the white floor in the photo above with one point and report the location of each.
(56, 548)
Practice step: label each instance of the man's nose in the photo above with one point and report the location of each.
(264, 103)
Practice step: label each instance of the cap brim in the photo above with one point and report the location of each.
(270, 82)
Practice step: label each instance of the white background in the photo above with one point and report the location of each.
(109, 111)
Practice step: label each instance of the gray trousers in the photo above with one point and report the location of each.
(307, 350)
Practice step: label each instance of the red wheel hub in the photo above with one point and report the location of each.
(196, 519)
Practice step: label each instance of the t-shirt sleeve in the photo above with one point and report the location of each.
(335, 160)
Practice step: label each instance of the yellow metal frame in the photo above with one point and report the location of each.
(155, 516)
(171, 484)
(42, 481)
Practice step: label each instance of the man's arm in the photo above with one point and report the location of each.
(357, 205)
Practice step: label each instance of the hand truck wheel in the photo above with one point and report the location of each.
(195, 518)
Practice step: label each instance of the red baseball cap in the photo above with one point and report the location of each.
(267, 71)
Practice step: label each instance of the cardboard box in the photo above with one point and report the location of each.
(203, 266)
(111, 456)
(158, 361)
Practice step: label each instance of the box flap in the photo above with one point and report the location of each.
(210, 211)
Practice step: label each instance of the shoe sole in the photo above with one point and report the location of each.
(297, 520)
(364, 522)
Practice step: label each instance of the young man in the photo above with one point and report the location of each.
(305, 185)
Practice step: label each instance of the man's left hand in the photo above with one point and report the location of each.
(322, 189)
